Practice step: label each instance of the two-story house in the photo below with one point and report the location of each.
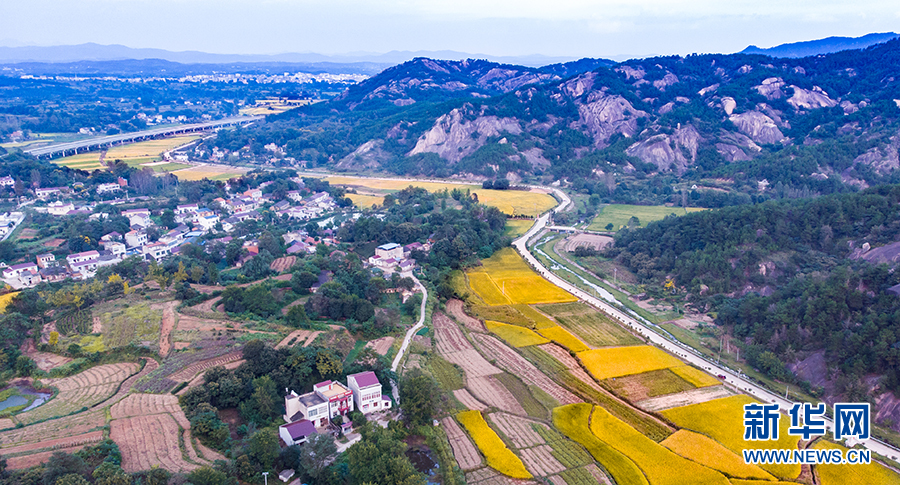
(367, 392)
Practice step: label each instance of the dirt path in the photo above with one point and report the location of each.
(168, 324)
(208, 306)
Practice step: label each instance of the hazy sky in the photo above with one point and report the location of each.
(595, 28)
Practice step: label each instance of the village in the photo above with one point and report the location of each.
(193, 222)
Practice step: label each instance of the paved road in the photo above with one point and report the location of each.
(409, 335)
(106, 141)
(686, 353)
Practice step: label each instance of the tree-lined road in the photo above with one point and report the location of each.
(684, 352)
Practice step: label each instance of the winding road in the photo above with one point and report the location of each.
(409, 335)
(684, 352)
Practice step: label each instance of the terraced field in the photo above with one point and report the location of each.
(81, 391)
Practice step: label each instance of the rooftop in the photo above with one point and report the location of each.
(300, 429)
(365, 379)
(388, 246)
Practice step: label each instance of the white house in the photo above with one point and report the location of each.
(108, 188)
(136, 239)
(60, 208)
(367, 392)
(46, 260)
(46, 192)
(114, 247)
(86, 269)
(81, 257)
(157, 251)
(208, 223)
(19, 269)
(7, 181)
(327, 400)
(182, 209)
(138, 217)
(389, 251)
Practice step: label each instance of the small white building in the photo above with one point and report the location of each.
(108, 188)
(46, 260)
(60, 208)
(136, 239)
(296, 432)
(389, 251)
(114, 247)
(81, 257)
(367, 392)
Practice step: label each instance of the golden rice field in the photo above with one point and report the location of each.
(211, 172)
(741, 481)
(540, 320)
(515, 335)
(562, 337)
(512, 202)
(695, 376)
(495, 452)
(656, 461)
(706, 451)
(505, 278)
(723, 420)
(6, 299)
(365, 201)
(133, 154)
(573, 420)
(856, 474)
(517, 227)
(611, 362)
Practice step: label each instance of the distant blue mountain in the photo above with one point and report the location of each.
(821, 46)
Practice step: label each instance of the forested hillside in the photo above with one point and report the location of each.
(788, 278)
(748, 126)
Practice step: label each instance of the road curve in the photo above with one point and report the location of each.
(681, 350)
(409, 334)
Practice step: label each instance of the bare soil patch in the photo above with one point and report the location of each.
(518, 366)
(168, 324)
(189, 372)
(488, 476)
(453, 345)
(540, 461)
(44, 360)
(518, 429)
(27, 233)
(54, 243)
(458, 310)
(133, 435)
(694, 396)
(283, 264)
(464, 451)
(587, 240)
(492, 392)
(381, 346)
(468, 400)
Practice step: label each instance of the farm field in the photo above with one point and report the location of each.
(695, 376)
(511, 202)
(515, 335)
(464, 450)
(82, 390)
(365, 201)
(139, 323)
(706, 451)
(211, 172)
(722, 420)
(134, 154)
(593, 327)
(505, 278)
(638, 387)
(564, 338)
(134, 433)
(656, 461)
(619, 214)
(622, 361)
(869, 474)
(517, 227)
(497, 455)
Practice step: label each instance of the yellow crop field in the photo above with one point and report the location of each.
(564, 338)
(512, 202)
(133, 153)
(706, 451)
(695, 376)
(856, 474)
(740, 481)
(657, 462)
(622, 361)
(573, 421)
(484, 287)
(365, 201)
(6, 299)
(723, 420)
(515, 335)
(211, 172)
(517, 227)
(513, 281)
(495, 452)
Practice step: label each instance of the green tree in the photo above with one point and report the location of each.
(265, 397)
(296, 317)
(110, 474)
(210, 476)
(71, 479)
(167, 218)
(25, 366)
(315, 453)
(418, 394)
(212, 274)
(379, 458)
(264, 448)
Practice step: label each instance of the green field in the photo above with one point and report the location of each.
(590, 325)
(619, 214)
